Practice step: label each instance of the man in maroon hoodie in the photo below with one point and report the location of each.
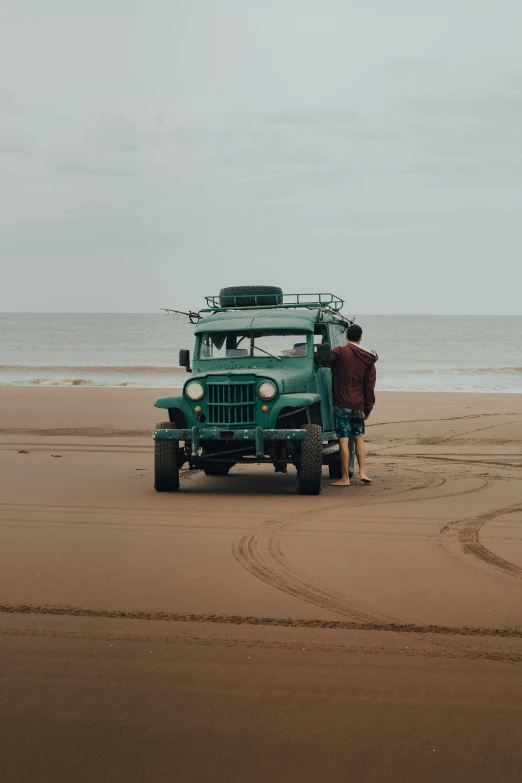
(353, 389)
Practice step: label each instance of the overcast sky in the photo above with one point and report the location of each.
(154, 150)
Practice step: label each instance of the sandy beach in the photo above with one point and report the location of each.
(237, 631)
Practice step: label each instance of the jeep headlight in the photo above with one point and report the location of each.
(266, 390)
(195, 391)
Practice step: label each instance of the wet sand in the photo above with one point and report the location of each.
(236, 631)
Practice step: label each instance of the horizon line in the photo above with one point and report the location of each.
(152, 312)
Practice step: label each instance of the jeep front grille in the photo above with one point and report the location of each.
(231, 403)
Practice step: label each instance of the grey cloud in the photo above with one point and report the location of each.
(462, 174)
(412, 63)
(513, 81)
(14, 143)
(496, 106)
(9, 104)
(331, 122)
(12, 149)
(92, 171)
(314, 118)
(118, 133)
(473, 138)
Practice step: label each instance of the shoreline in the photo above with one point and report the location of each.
(77, 383)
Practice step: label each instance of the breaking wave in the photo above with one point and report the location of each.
(61, 382)
(410, 368)
(493, 370)
(81, 382)
(101, 368)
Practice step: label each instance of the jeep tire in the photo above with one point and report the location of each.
(310, 466)
(166, 461)
(251, 295)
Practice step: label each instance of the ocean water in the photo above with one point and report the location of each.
(416, 353)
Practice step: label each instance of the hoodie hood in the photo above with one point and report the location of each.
(368, 357)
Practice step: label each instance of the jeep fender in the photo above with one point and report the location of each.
(297, 400)
(180, 403)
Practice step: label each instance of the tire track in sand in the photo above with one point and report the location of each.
(462, 538)
(445, 418)
(262, 554)
(279, 622)
(430, 484)
(516, 465)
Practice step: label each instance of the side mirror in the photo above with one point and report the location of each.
(184, 360)
(324, 354)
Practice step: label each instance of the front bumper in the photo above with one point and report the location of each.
(257, 434)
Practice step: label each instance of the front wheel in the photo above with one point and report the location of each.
(166, 462)
(310, 466)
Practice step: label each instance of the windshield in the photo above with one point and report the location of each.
(236, 345)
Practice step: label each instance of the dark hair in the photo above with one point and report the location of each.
(354, 333)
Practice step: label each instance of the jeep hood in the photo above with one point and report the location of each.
(286, 381)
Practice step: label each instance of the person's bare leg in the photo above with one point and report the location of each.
(344, 481)
(359, 452)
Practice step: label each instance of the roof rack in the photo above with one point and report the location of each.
(283, 301)
(323, 303)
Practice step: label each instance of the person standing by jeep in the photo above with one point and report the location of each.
(353, 391)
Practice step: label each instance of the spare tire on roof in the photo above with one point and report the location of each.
(250, 296)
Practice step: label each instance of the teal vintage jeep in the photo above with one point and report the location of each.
(260, 391)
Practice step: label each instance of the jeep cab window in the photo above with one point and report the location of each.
(241, 345)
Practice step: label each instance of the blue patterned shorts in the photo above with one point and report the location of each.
(348, 422)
